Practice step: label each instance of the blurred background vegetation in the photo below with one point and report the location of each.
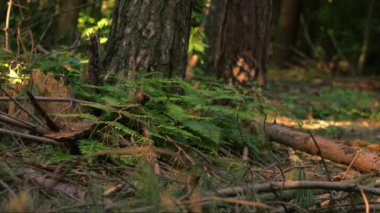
(335, 37)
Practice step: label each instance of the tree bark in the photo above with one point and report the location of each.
(364, 161)
(95, 8)
(287, 27)
(3, 11)
(239, 36)
(148, 35)
(65, 24)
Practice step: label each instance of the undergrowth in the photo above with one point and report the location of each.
(333, 104)
(155, 134)
(207, 115)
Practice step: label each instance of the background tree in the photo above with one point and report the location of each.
(64, 31)
(95, 10)
(239, 32)
(148, 35)
(287, 31)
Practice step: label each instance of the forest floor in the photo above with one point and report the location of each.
(195, 178)
(331, 107)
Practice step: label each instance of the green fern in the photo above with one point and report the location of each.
(89, 146)
(207, 116)
(54, 156)
(78, 115)
(120, 127)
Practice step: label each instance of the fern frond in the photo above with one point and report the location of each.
(120, 127)
(78, 115)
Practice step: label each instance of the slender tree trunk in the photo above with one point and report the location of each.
(64, 29)
(239, 37)
(95, 8)
(148, 35)
(364, 50)
(213, 33)
(3, 11)
(307, 11)
(67, 21)
(287, 27)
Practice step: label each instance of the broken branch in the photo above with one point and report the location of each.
(30, 137)
(49, 122)
(290, 184)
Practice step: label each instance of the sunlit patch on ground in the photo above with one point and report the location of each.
(321, 124)
(336, 111)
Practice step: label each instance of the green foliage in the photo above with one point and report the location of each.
(197, 17)
(89, 146)
(58, 62)
(304, 197)
(197, 39)
(344, 22)
(197, 43)
(88, 25)
(147, 184)
(348, 104)
(207, 116)
(54, 156)
(334, 104)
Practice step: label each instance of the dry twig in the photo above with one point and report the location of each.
(322, 158)
(290, 184)
(20, 106)
(28, 136)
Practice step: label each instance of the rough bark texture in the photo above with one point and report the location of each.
(365, 161)
(239, 36)
(92, 74)
(148, 35)
(287, 30)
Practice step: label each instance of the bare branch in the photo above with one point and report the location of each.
(28, 136)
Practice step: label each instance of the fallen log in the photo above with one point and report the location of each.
(365, 161)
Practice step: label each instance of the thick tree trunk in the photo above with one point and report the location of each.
(287, 27)
(239, 37)
(148, 35)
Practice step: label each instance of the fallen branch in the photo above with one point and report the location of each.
(290, 184)
(21, 107)
(237, 201)
(30, 137)
(365, 162)
(45, 99)
(49, 122)
(348, 208)
(320, 154)
(21, 124)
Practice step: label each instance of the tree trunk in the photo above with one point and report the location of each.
(239, 36)
(148, 35)
(3, 11)
(287, 27)
(64, 30)
(95, 8)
